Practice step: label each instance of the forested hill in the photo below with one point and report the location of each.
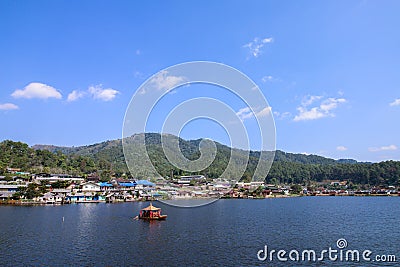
(188, 147)
(107, 159)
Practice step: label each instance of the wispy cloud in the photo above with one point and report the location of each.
(37, 90)
(341, 148)
(75, 95)
(264, 112)
(324, 109)
(267, 78)
(247, 113)
(97, 92)
(138, 74)
(270, 78)
(8, 106)
(396, 102)
(282, 115)
(163, 81)
(244, 113)
(383, 148)
(255, 46)
(308, 100)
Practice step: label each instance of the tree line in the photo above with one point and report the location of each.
(107, 159)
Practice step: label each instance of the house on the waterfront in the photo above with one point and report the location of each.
(50, 198)
(256, 184)
(141, 184)
(11, 187)
(87, 197)
(61, 191)
(93, 177)
(90, 187)
(52, 178)
(106, 186)
(5, 195)
(192, 177)
(127, 185)
(183, 194)
(183, 182)
(243, 185)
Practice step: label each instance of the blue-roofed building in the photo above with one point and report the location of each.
(145, 183)
(127, 185)
(104, 186)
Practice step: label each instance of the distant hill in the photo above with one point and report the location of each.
(348, 161)
(107, 159)
(189, 148)
(112, 152)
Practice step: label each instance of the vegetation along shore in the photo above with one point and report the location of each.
(98, 173)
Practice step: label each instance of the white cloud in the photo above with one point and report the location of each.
(267, 78)
(98, 92)
(383, 148)
(8, 106)
(256, 45)
(308, 100)
(138, 74)
(264, 112)
(164, 81)
(282, 115)
(247, 113)
(37, 90)
(311, 114)
(395, 103)
(331, 103)
(75, 95)
(324, 109)
(244, 113)
(270, 78)
(341, 148)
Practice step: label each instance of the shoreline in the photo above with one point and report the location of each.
(37, 203)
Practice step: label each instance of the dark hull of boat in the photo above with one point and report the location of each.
(160, 218)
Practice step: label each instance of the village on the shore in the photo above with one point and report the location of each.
(25, 188)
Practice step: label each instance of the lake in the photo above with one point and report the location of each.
(225, 233)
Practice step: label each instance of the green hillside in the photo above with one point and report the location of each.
(107, 159)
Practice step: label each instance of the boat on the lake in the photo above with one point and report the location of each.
(151, 213)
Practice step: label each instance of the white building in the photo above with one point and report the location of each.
(90, 187)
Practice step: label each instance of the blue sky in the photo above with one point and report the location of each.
(329, 69)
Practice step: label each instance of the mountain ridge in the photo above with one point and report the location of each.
(279, 154)
(107, 160)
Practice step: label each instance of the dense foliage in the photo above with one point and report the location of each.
(107, 159)
(383, 173)
(20, 155)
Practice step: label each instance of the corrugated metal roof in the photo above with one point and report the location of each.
(128, 184)
(145, 182)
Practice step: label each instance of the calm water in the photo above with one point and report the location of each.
(225, 233)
